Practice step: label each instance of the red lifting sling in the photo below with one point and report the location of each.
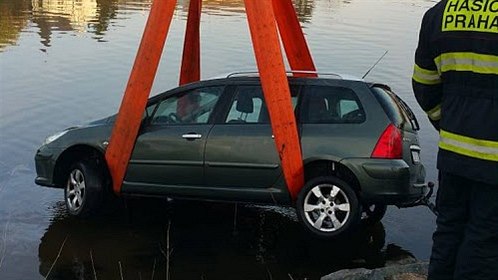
(263, 17)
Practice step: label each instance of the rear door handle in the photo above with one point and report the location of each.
(192, 136)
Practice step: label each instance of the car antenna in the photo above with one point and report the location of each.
(375, 64)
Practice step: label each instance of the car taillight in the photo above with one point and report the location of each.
(390, 144)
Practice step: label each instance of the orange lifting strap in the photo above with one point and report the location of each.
(263, 17)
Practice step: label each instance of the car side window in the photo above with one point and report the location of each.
(248, 106)
(327, 104)
(191, 107)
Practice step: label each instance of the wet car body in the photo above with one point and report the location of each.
(230, 155)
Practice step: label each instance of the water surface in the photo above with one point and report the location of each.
(66, 62)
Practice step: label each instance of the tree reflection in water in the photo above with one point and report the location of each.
(96, 16)
(13, 20)
(62, 16)
(204, 242)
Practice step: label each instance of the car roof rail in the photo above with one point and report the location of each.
(289, 73)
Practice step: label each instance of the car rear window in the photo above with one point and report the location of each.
(396, 109)
(332, 105)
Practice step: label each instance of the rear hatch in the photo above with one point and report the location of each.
(403, 118)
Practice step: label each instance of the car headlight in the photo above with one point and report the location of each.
(54, 137)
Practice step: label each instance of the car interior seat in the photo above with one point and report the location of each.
(245, 106)
(317, 109)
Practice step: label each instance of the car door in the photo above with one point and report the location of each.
(241, 151)
(333, 121)
(170, 148)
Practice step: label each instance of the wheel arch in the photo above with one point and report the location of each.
(316, 167)
(77, 153)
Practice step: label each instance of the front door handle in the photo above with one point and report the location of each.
(191, 136)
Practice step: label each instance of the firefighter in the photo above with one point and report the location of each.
(455, 81)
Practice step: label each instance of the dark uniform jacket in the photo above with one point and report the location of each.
(455, 81)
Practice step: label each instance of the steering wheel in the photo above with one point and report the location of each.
(174, 118)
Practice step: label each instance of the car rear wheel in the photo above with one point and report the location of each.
(84, 189)
(328, 207)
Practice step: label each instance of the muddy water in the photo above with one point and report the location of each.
(66, 62)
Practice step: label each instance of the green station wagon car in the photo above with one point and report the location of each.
(212, 140)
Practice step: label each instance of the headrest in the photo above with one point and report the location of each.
(317, 109)
(244, 103)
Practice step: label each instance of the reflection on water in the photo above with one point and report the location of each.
(206, 243)
(76, 14)
(95, 16)
(61, 16)
(304, 9)
(13, 19)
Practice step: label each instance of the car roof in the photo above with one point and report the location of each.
(253, 77)
(290, 74)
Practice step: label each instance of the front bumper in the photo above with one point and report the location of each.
(45, 164)
(389, 182)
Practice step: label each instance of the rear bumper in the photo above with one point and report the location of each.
(387, 182)
(425, 200)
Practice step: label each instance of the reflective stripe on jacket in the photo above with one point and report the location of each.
(455, 81)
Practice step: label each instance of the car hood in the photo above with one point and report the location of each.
(95, 134)
(104, 121)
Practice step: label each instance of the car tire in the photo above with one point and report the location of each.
(83, 194)
(327, 207)
(373, 213)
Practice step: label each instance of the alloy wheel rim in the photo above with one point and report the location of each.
(327, 207)
(75, 190)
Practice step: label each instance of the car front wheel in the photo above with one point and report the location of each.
(83, 192)
(328, 206)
